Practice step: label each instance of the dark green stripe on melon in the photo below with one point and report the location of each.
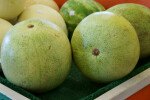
(82, 9)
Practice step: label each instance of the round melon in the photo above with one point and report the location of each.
(105, 47)
(36, 55)
(4, 27)
(39, 11)
(139, 16)
(49, 3)
(73, 11)
(10, 9)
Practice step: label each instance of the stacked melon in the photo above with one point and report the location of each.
(9, 10)
(107, 45)
(36, 52)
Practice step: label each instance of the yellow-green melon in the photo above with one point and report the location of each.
(39, 11)
(4, 27)
(36, 55)
(10, 9)
(50, 3)
(105, 47)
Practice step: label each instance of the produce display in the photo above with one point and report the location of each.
(43, 41)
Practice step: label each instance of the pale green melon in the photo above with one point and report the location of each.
(10, 9)
(39, 11)
(36, 55)
(105, 47)
(50, 3)
(139, 16)
(4, 27)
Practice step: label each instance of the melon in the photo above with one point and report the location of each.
(105, 47)
(73, 11)
(36, 55)
(10, 9)
(139, 16)
(39, 11)
(4, 27)
(49, 3)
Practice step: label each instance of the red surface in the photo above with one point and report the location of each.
(110, 3)
(143, 94)
(60, 2)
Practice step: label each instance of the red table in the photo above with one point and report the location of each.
(143, 94)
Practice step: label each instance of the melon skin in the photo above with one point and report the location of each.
(81, 9)
(4, 27)
(139, 16)
(117, 44)
(39, 11)
(9, 9)
(50, 3)
(38, 58)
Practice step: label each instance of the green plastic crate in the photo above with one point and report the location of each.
(76, 86)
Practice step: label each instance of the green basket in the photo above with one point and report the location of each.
(76, 86)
